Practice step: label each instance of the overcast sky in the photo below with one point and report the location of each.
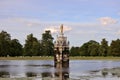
(83, 20)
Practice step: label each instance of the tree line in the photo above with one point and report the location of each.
(32, 46)
(94, 48)
(45, 46)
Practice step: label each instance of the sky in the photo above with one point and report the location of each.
(83, 20)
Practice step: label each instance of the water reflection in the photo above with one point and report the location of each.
(62, 71)
(115, 72)
(4, 74)
(104, 72)
(31, 74)
(76, 70)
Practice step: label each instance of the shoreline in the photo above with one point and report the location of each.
(52, 58)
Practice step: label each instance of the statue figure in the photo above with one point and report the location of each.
(61, 29)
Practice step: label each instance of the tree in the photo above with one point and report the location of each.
(15, 48)
(32, 46)
(4, 43)
(84, 50)
(115, 47)
(47, 44)
(89, 49)
(103, 48)
(93, 48)
(37, 48)
(74, 51)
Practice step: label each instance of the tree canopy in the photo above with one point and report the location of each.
(8, 46)
(45, 46)
(32, 46)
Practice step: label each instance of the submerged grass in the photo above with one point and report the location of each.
(52, 58)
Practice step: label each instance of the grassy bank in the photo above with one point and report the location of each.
(95, 58)
(27, 58)
(51, 58)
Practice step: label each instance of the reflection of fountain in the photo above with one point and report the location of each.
(62, 71)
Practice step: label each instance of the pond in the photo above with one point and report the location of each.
(45, 70)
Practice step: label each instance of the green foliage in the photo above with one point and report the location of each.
(103, 48)
(93, 48)
(47, 44)
(15, 48)
(115, 47)
(4, 43)
(84, 50)
(45, 47)
(9, 47)
(74, 51)
(32, 46)
(90, 48)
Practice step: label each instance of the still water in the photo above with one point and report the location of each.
(45, 70)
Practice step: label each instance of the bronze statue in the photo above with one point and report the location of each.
(61, 29)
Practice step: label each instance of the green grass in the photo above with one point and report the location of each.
(27, 58)
(52, 58)
(95, 58)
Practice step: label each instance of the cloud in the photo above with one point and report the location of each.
(107, 21)
(83, 32)
(56, 29)
(52, 29)
(66, 28)
(26, 22)
(118, 32)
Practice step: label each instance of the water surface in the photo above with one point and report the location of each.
(44, 69)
